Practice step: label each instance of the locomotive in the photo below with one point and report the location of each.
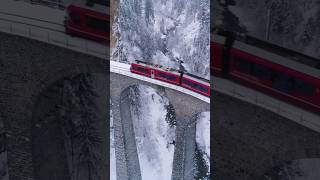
(173, 76)
(285, 74)
(89, 19)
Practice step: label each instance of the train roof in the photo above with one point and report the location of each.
(94, 5)
(160, 67)
(197, 77)
(285, 52)
(169, 69)
(280, 55)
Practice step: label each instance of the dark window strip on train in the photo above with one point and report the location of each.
(167, 76)
(280, 81)
(195, 86)
(274, 48)
(101, 2)
(75, 18)
(140, 69)
(97, 23)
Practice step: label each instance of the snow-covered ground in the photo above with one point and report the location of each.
(113, 171)
(153, 134)
(164, 32)
(203, 137)
(293, 24)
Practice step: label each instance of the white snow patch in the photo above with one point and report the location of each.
(203, 136)
(173, 28)
(153, 135)
(113, 171)
(160, 58)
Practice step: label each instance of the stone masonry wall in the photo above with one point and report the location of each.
(26, 68)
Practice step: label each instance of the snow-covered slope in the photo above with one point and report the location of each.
(203, 139)
(113, 172)
(154, 133)
(164, 32)
(293, 24)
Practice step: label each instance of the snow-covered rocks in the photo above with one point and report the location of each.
(203, 137)
(154, 134)
(113, 171)
(162, 30)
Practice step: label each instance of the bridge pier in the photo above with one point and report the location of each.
(27, 68)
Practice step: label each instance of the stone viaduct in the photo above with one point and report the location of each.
(27, 69)
(248, 141)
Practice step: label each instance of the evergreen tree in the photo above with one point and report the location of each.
(149, 11)
(80, 126)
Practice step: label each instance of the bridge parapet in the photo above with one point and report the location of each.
(296, 114)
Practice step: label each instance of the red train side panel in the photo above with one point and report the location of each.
(282, 82)
(87, 23)
(196, 85)
(216, 58)
(173, 78)
(140, 69)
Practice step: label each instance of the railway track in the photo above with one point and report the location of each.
(53, 32)
(49, 31)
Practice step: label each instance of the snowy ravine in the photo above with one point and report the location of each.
(153, 133)
(113, 172)
(293, 24)
(164, 32)
(203, 138)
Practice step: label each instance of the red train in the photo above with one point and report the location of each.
(279, 72)
(167, 74)
(89, 19)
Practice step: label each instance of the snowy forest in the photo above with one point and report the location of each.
(69, 129)
(166, 32)
(292, 24)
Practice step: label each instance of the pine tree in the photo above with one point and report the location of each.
(149, 11)
(80, 126)
(87, 133)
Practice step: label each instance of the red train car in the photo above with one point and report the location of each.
(156, 72)
(276, 71)
(216, 51)
(196, 84)
(88, 19)
(170, 75)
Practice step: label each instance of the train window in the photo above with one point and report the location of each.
(140, 69)
(102, 2)
(97, 23)
(304, 87)
(167, 76)
(75, 18)
(196, 86)
(202, 88)
(187, 82)
(262, 72)
(243, 65)
(283, 82)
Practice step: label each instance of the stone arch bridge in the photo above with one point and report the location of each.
(248, 140)
(30, 69)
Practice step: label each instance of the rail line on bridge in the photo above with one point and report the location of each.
(53, 33)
